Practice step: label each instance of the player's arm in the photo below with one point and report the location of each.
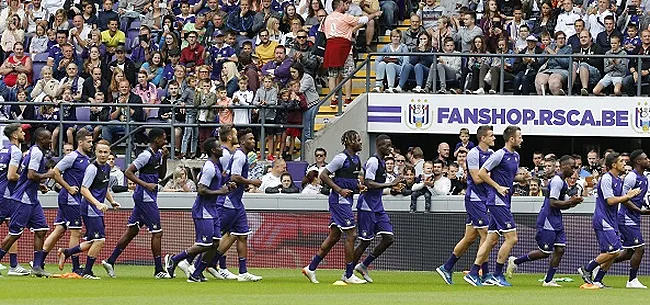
(333, 166)
(62, 166)
(236, 171)
(484, 172)
(370, 174)
(554, 189)
(89, 177)
(207, 175)
(34, 164)
(85, 192)
(628, 184)
(112, 201)
(14, 163)
(162, 171)
(608, 192)
(205, 191)
(473, 166)
(325, 177)
(137, 164)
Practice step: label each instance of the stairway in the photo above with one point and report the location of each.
(326, 113)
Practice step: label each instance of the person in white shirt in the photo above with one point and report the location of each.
(273, 178)
(567, 18)
(596, 17)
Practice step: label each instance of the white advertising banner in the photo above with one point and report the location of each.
(536, 115)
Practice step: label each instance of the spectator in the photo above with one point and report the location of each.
(630, 81)
(631, 14)
(94, 60)
(12, 34)
(615, 68)
(197, 26)
(603, 38)
(554, 71)
(479, 66)
(430, 11)
(225, 114)
(55, 51)
(241, 21)
(311, 183)
(62, 63)
(180, 182)
(125, 64)
(267, 95)
(288, 17)
(406, 186)
(631, 40)
(491, 11)
(95, 41)
(169, 41)
(69, 114)
(514, 26)
(116, 175)
(106, 15)
(170, 68)
(410, 37)
(443, 153)
(122, 113)
(430, 183)
(177, 115)
(113, 37)
(220, 54)
(597, 16)
(14, 8)
(250, 69)
(279, 66)
(185, 16)
(275, 34)
(419, 64)
(496, 67)
(72, 81)
(192, 55)
(153, 18)
(520, 40)
(38, 43)
(191, 133)
(320, 155)
(390, 171)
(132, 10)
(525, 68)
(400, 164)
(274, 134)
(35, 14)
(204, 100)
(47, 85)
(146, 91)
(574, 40)
(143, 47)
(98, 113)
(265, 50)
(417, 159)
(566, 18)
(286, 186)
(521, 187)
(468, 32)
(243, 97)
(301, 53)
(534, 187)
(307, 87)
(338, 54)
(24, 112)
(581, 170)
(96, 83)
(16, 64)
(154, 68)
(273, 178)
(457, 186)
(447, 68)
(390, 66)
(548, 20)
(264, 15)
(464, 143)
(79, 34)
(295, 117)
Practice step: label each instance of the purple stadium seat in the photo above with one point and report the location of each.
(37, 67)
(135, 25)
(40, 57)
(132, 34)
(161, 93)
(83, 114)
(297, 170)
(153, 115)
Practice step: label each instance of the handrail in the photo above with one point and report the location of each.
(141, 125)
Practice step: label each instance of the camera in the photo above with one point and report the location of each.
(631, 10)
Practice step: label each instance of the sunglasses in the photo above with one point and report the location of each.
(400, 160)
(301, 37)
(319, 155)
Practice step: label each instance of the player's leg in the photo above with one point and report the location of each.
(624, 255)
(210, 257)
(156, 251)
(545, 242)
(38, 224)
(130, 233)
(75, 235)
(241, 230)
(204, 229)
(504, 252)
(57, 233)
(610, 245)
(348, 249)
(635, 263)
(554, 264)
(14, 268)
(334, 236)
(67, 252)
(366, 233)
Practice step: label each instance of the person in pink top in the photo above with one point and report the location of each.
(146, 91)
(338, 28)
(223, 102)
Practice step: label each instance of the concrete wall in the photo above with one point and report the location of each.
(329, 137)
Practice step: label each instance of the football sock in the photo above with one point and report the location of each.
(592, 265)
(13, 260)
(369, 259)
(349, 267)
(550, 274)
(116, 253)
(90, 262)
(600, 275)
(314, 262)
(522, 259)
(451, 261)
(633, 273)
(242, 265)
(498, 270)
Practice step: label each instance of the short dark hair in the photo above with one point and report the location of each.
(209, 145)
(381, 138)
(11, 128)
(320, 149)
(155, 133)
(224, 132)
(611, 159)
(576, 157)
(635, 154)
(243, 132)
(82, 134)
(438, 161)
(609, 17)
(482, 131)
(64, 32)
(579, 20)
(565, 159)
(510, 132)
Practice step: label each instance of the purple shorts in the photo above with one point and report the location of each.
(234, 221)
(608, 240)
(373, 223)
(547, 240)
(342, 216)
(68, 216)
(631, 236)
(7, 207)
(95, 229)
(206, 230)
(501, 219)
(146, 214)
(27, 216)
(477, 214)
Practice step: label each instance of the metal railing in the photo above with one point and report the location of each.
(572, 59)
(139, 126)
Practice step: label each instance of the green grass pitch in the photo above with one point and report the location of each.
(136, 285)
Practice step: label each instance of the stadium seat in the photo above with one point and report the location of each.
(40, 57)
(37, 67)
(152, 116)
(135, 25)
(161, 93)
(297, 170)
(132, 34)
(83, 114)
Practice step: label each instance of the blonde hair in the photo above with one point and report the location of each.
(270, 26)
(114, 84)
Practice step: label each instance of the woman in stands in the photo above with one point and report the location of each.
(311, 15)
(96, 41)
(491, 11)
(154, 68)
(11, 35)
(479, 66)
(311, 184)
(16, 64)
(503, 47)
(60, 21)
(547, 19)
(180, 182)
(289, 15)
(554, 72)
(417, 64)
(118, 76)
(390, 66)
(94, 60)
(153, 19)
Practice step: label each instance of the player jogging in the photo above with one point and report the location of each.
(499, 173)
(346, 166)
(550, 237)
(610, 194)
(69, 173)
(204, 214)
(94, 191)
(150, 165)
(373, 219)
(28, 211)
(475, 198)
(10, 158)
